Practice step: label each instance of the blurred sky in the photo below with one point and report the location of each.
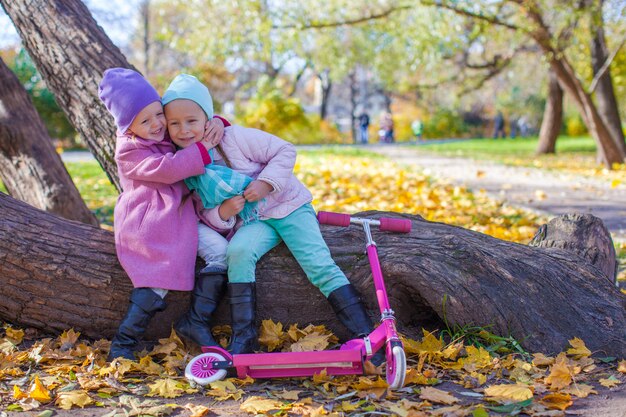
(117, 17)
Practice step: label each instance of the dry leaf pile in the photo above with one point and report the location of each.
(451, 379)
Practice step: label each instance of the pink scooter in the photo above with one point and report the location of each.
(212, 365)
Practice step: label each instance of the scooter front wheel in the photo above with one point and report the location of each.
(200, 369)
(396, 367)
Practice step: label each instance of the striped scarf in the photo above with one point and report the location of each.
(219, 183)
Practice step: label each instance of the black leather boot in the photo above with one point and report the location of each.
(196, 323)
(144, 303)
(349, 308)
(242, 297)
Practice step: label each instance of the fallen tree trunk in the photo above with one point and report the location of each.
(56, 274)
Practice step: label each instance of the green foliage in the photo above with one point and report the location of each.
(444, 123)
(270, 110)
(53, 117)
(574, 125)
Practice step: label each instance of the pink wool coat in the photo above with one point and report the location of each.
(155, 221)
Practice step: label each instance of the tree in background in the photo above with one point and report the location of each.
(53, 117)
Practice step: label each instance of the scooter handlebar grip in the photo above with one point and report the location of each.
(395, 225)
(334, 219)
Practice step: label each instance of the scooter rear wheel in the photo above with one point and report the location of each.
(200, 370)
(396, 367)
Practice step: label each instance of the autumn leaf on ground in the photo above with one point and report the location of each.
(38, 391)
(18, 394)
(560, 374)
(15, 336)
(609, 382)
(579, 390)
(287, 395)
(197, 410)
(437, 396)
(149, 367)
(68, 339)
(477, 358)
(578, 349)
(539, 359)
(166, 388)
(223, 390)
(366, 386)
(557, 401)
(514, 392)
(260, 405)
(311, 342)
(621, 366)
(271, 334)
(68, 399)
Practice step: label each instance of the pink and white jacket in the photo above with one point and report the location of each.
(263, 156)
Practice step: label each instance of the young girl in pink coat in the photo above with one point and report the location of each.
(284, 212)
(156, 221)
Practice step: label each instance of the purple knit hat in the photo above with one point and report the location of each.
(125, 93)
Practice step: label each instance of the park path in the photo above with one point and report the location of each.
(546, 192)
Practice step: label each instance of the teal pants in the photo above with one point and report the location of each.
(301, 233)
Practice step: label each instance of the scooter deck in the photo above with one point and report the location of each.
(293, 364)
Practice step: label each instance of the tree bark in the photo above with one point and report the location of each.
(605, 94)
(57, 274)
(552, 117)
(30, 168)
(71, 52)
(608, 149)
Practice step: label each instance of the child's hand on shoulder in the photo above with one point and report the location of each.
(231, 207)
(257, 190)
(213, 133)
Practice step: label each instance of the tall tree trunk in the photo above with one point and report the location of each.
(30, 168)
(605, 94)
(543, 295)
(610, 152)
(354, 90)
(552, 117)
(144, 8)
(71, 52)
(327, 85)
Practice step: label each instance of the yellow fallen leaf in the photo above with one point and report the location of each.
(539, 359)
(271, 334)
(609, 382)
(18, 394)
(149, 367)
(514, 392)
(311, 342)
(38, 391)
(560, 374)
(166, 388)
(197, 410)
(15, 336)
(578, 349)
(260, 405)
(68, 339)
(579, 390)
(437, 396)
(621, 366)
(288, 395)
(68, 399)
(557, 401)
(224, 390)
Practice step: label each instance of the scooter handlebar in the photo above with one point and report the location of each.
(386, 224)
(333, 219)
(395, 225)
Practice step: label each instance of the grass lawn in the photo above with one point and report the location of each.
(504, 149)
